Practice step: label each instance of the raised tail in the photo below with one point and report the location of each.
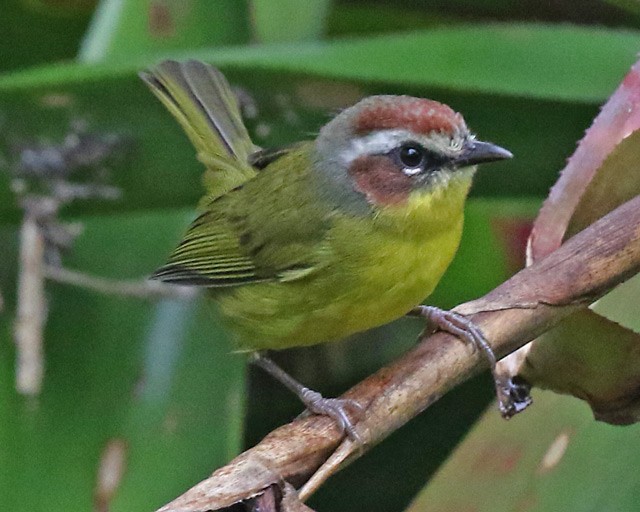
(200, 98)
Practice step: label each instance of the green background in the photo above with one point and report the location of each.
(161, 376)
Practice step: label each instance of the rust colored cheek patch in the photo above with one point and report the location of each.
(380, 180)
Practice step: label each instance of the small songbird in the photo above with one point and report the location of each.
(324, 238)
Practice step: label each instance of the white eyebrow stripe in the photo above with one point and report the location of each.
(384, 141)
(374, 143)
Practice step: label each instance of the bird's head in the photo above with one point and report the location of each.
(386, 147)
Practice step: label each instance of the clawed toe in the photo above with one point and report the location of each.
(335, 408)
(513, 396)
(458, 325)
(348, 402)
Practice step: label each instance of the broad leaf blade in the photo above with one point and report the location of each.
(159, 378)
(554, 457)
(280, 80)
(125, 29)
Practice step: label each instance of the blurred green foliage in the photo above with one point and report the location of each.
(162, 376)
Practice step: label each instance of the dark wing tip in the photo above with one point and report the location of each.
(151, 73)
(178, 274)
(147, 76)
(151, 79)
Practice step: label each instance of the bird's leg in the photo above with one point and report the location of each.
(513, 395)
(333, 407)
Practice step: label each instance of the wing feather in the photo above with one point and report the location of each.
(273, 228)
(201, 100)
(256, 226)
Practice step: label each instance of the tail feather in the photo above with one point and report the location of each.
(200, 98)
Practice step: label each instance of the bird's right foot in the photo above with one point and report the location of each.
(512, 394)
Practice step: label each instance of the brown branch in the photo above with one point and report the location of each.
(584, 268)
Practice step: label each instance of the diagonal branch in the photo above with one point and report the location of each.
(531, 302)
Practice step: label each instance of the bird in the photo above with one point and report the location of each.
(326, 237)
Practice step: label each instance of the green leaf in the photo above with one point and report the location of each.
(158, 377)
(351, 18)
(536, 61)
(126, 29)
(530, 102)
(39, 31)
(632, 7)
(620, 305)
(304, 21)
(553, 457)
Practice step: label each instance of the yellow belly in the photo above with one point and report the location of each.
(377, 271)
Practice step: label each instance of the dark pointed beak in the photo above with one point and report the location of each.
(476, 152)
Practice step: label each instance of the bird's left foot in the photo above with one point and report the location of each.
(513, 395)
(336, 408)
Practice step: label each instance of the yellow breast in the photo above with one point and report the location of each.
(380, 267)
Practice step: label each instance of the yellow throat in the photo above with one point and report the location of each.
(377, 268)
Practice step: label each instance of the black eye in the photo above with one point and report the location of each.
(412, 155)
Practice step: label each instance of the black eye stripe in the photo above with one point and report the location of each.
(412, 155)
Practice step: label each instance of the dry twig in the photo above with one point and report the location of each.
(43, 179)
(31, 309)
(139, 288)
